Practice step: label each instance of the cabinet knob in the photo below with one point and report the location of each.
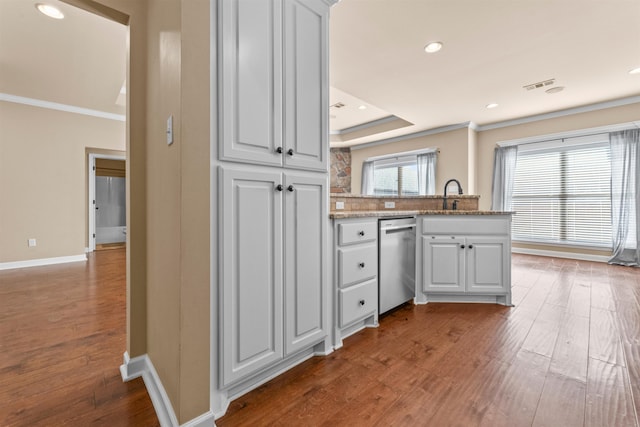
(361, 233)
(279, 187)
(279, 150)
(461, 246)
(361, 265)
(470, 246)
(290, 188)
(361, 302)
(290, 151)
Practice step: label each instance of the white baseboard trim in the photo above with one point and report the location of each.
(42, 261)
(558, 254)
(141, 366)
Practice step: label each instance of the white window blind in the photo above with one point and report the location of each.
(396, 178)
(562, 195)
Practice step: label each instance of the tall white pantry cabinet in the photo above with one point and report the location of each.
(270, 287)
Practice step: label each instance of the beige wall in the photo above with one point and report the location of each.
(43, 182)
(168, 259)
(487, 139)
(452, 159)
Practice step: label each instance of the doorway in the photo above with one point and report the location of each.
(107, 202)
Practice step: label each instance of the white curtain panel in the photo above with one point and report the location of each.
(504, 170)
(625, 196)
(366, 187)
(427, 173)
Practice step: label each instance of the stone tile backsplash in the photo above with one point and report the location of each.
(354, 202)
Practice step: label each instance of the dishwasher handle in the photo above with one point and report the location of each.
(398, 227)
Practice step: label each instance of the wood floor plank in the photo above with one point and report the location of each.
(604, 338)
(543, 334)
(609, 400)
(517, 397)
(570, 355)
(562, 402)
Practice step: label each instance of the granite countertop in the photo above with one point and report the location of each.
(392, 213)
(390, 197)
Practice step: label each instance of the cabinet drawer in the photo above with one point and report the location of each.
(466, 224)
(357, 302)
(357, 232)
(357, 263)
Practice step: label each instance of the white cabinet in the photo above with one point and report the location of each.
(355, 275)
(459, 264)
(274, 267)
(464, 258)
(269, 232)
(274, 82)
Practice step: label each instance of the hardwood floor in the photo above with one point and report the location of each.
(567, 354)
(62, 335)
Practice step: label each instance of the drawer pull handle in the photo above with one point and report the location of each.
(361, 302)
(361, 265)
(461, 246)
(361, 233)
(470, 246)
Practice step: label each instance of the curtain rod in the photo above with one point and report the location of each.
(570, 134)
(403, 154)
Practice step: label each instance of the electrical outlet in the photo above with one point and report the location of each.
(389, 205)
(32, 243)
(339, 205)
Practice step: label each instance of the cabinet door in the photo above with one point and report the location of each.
(251, 262)
(305, 231)
(305, 84)
(443, 264)
(251, 81)
(487, 259)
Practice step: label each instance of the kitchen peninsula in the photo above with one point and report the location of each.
(461, 255)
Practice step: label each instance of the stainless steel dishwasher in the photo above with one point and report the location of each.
(396, 262)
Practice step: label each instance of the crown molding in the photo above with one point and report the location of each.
(433, 131)
(61, 107)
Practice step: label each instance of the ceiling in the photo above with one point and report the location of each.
(79, 60)
(492, 48)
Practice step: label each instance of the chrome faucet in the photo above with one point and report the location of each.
(444, 200)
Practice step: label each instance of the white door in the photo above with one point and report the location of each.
(251, 291)
(251, 81)
(305, 260)
(305, 84)
(486, 264)
(443, 264)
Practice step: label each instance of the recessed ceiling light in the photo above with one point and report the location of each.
(362, 107)
(433, 47)
(50, 11)
(492, 105)
(635, 71)
(555, 89)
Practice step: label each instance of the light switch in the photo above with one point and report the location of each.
(32, 242)
(170, 130)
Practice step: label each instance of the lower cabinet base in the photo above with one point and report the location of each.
(222, 398)
(340, 334)
(479, 298)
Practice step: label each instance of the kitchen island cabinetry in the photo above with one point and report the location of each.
(464, 259)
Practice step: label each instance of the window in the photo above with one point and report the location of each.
(562, 194)
(396, 179)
